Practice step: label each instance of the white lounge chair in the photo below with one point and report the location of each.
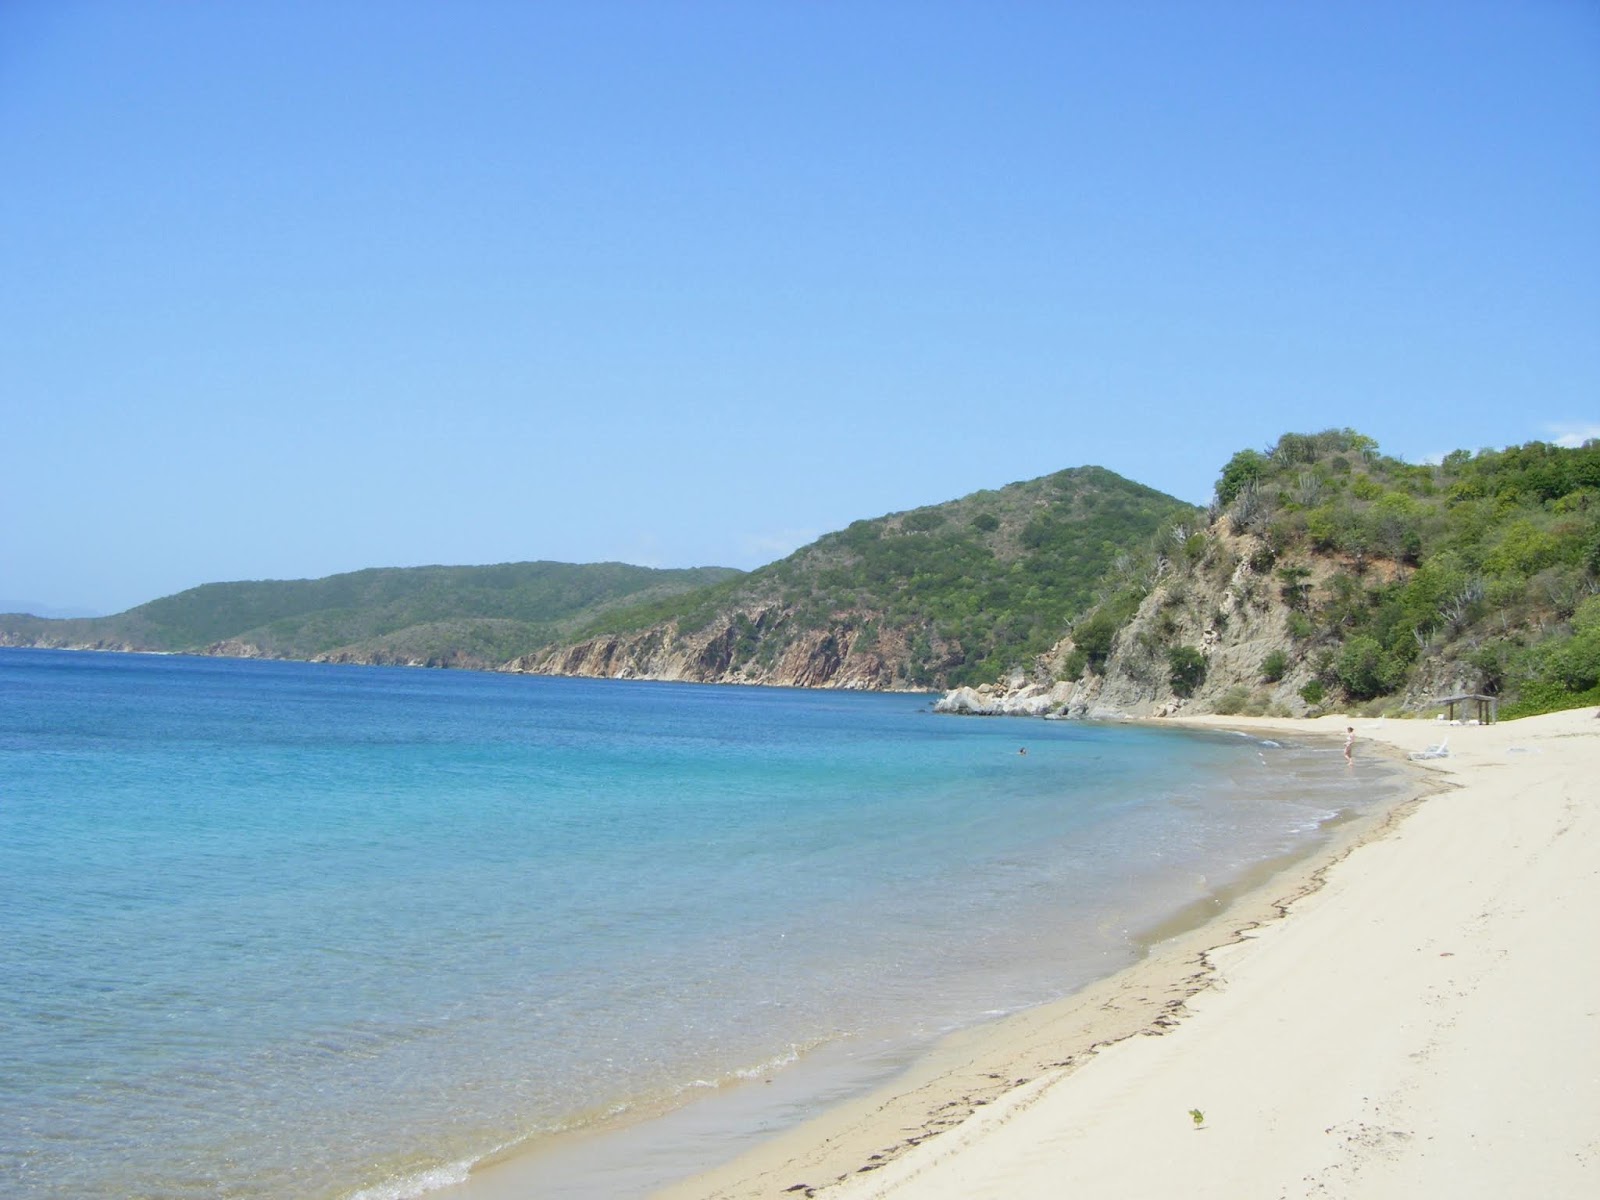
(1442, 750)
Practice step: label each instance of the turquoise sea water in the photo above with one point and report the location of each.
(291, 930)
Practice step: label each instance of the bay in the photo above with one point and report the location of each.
(298, 930)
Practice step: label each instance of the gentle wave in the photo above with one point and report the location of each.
(420, 1184)
(760, 1071)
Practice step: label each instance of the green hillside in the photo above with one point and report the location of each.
(1487, 564)
(1332, 577)
(458, 615)
(951, 592)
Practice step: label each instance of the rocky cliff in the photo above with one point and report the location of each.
(756, 645)
(1223, 602)
(1328, 575)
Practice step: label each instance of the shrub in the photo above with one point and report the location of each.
(1187, 668)
(1493, 660)
(1233, 701)
(1275, 666)
(1364, 670)
(1313, 692)
(1243, 469)
(1094, 636)
(1561, 672)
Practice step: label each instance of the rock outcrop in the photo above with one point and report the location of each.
(744, 646)
(1018, 699)
(1224, 603)
(235, 648)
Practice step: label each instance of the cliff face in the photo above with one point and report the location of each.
(1228, 609)
(1221, 599)
(1229, 598)
(744, 646)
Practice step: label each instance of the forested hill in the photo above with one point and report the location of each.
(937, 595)
(934, 596)
(437, 616)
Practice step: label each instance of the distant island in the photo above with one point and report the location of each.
(1324, 573)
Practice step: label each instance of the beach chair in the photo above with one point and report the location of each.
(1442, 750)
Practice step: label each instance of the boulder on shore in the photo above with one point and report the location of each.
(1029, 700)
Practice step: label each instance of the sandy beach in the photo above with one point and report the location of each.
(1415, 1012)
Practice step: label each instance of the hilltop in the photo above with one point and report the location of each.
(928, 598)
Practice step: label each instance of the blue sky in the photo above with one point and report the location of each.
(295, 288)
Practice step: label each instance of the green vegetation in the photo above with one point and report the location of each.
(993, 597)
(971, 588)
(1093, 637)
(1187, 669)
(459, 616)
(1560, 672)
(1482, 565)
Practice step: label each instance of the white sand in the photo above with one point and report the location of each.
(1425, 1024)
(1419, 1019)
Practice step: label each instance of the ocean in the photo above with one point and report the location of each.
(297, 930)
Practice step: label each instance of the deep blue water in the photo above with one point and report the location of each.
(292, 930)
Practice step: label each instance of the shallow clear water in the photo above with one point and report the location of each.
(278, 929)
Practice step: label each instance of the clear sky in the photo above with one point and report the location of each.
(295, 288)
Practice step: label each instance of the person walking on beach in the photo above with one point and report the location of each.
(1349, 740)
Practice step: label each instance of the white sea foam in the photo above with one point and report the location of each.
(419, 1184)
(759, 1071)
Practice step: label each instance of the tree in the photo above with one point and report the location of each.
(1188, 669)
(1364, 670)
(1244, 468)
(1095, 635)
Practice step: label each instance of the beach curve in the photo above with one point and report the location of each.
(1424, 1021)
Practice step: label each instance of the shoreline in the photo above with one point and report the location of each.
(980, 1069)
(913, 1100)
(1409, 1012)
